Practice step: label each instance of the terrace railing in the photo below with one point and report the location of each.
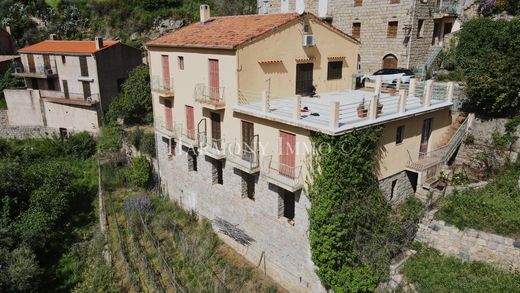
(283, 175)
(162, 86)
(213, 96)
(245, 156)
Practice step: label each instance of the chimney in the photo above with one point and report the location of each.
(99, 43)
(204, 13)
(53, 37)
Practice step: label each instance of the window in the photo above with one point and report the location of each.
(358, 3)
(286, 206)
(420, 31)
(83, 65)
(399, 135)
(248, 186)
(217, 176)
(334, 70)
(392, 30)
(356, 29)
(65, 89)
(395, 1)
(50, 84)
(170, 145)
(192, 160)
(63, 59)
(389, 61)
(392, 189)
(181, 62)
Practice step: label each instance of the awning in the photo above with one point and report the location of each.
(270, 61)
(305, 59)
(336, 57)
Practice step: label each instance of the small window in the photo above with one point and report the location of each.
(356, 29)
(248, 186)
(181, 62)
(399, 135)
(420, 31)
(334, 70)
(358, 3)
(392, 30)
(392, 189)
(63, 59)
(286, 205)
(395, 1)
(192, 160)
(217, 172)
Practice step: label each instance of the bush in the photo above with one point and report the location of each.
(110, 139)
(148, 144)
(430, 272)
(139, 173)
(80, 145)
(135, 136)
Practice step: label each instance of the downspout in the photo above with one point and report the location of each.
(411, 35)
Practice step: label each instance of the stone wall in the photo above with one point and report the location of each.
(21, 132)
(401, 185)
(470, 244)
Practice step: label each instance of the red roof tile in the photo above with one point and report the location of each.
(53, 46)
(225, 32)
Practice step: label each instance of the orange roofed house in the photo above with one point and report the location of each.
(69, 84)
(233, 119)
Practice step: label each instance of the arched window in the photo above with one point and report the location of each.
(390, 61)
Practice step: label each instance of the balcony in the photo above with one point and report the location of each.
(214, 148)
(211, 97)
(71, 99)
(244, 158)
(39, 71)
(447, 8)
(287, 177)
(162, 86)
(166, 128)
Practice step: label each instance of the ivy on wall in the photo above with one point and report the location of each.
(350, 219)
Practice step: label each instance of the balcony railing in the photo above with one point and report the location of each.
(288, 177)
(39, 70)
(244, 157)
(72, 96)
(213, 147)
(212, 97)
(448, 8)
(167, 128)
(162, 86)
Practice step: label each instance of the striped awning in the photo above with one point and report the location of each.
(336, 57)
(270, 61)
(305, 59)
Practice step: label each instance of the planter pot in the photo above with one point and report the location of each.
(362, 112)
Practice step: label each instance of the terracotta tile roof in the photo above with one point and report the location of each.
(53, 46)
(225, 32)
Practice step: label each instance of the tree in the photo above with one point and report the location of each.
(134, 105)
(489, 54)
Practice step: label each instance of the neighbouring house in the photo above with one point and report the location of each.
(8, 62)
(393, 33)
(233, 117)
(69, 84)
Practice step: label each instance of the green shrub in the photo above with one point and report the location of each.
(148, 144)
(110, 139)
(139, 173)
(431, 272)
(80, 145)
(135, 137)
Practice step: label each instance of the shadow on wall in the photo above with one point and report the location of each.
(273, 68)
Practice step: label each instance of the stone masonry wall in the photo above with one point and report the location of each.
(374, 15)
(21, 132)
(403, 187)
(470, 244)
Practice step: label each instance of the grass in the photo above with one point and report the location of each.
(3, 104)
(432, 272)
(494, 208)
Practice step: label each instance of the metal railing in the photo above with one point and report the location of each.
(167, 127)
(244, 155)
(214, 146)
(289, 176)
(209, 95)
(159, 84)
(40, 69)
(448, 7)
(75, 96)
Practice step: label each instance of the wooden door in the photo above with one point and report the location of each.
(46, 62)
(166, 71)
(287, 154)
(425, 137)
(390, 61)
(190, 122)
(214, 84)
(304, 78)
(86, 89)
(83, 66)
(30, 60)
(168, 114)
(247, 141)
(66, 89)
(215, 131)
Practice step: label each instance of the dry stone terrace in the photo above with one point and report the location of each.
(336, 112)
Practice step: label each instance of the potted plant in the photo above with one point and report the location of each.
(361, 110)
(379, 107)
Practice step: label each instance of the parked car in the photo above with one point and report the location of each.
(389, 75)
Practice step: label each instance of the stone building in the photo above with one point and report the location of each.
(393, 33)
(69, 84)
(233, 117)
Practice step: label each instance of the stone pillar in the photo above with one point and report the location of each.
(428, 88)
(398, 84)
(450, 89)
(377, 86)
(297, 107)
(334, 115)
(265, 101)
(402, 101)
(372, 108)
(411, 89)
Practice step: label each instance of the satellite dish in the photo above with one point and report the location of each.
(300, 6)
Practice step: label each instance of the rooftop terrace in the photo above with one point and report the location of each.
(337, 112)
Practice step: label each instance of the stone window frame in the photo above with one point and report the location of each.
(356, 29)
(399, 135)
(334, 70)
(393, 27)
